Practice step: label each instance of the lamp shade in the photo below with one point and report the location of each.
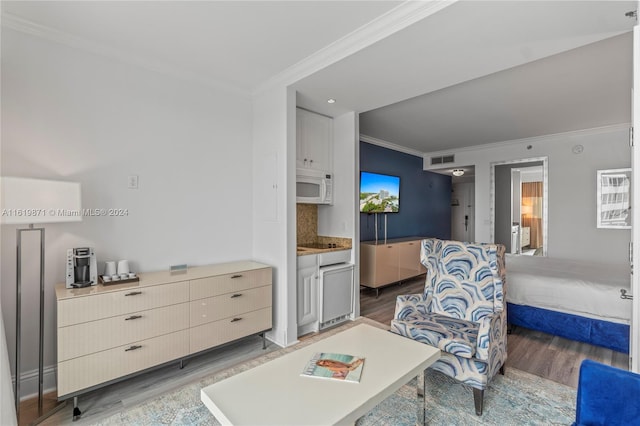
(27, 201)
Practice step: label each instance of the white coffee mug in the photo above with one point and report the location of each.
(123, 267)
(110, 268)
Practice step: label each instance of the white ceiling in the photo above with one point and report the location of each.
(478, 70)
(240, 44)
(472, 72)
(583, 88)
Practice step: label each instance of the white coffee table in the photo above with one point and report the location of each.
(274, 393)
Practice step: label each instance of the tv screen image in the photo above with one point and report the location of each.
(379, 193)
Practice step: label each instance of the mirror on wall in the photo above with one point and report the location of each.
(519, 200)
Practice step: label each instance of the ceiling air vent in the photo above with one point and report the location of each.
(445, 159)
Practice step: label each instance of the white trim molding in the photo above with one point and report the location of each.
(531, 140)
(453, 151)
(389, 145)
(398, 18)
(29, 382)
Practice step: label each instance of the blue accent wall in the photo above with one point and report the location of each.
(425, 197)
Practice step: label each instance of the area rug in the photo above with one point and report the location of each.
(517, 398)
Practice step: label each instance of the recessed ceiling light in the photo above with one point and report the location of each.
(331, 101)
(458, 172)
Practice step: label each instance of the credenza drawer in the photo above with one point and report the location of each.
(83, 372)
(95, 307)
(109, 333)
(228, 305)
(95, 336)
(216, 333)
(221, 284)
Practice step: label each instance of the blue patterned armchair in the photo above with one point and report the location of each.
(462, 311)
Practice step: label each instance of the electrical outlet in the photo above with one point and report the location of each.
(132, 182)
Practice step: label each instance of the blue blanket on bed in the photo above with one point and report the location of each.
(593, 331)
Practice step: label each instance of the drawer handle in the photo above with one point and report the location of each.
(132, 317)
(236, 319)
(236, 276)
(133, 293)
(236, 295)
(133, 348)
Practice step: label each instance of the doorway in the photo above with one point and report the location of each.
(463, 209)
(519, 200)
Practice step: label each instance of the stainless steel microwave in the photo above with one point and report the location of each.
(314, 186)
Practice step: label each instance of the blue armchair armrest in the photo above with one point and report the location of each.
(607, 396)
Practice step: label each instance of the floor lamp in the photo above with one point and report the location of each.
(28, 202)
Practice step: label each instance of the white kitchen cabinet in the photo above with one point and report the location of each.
(314, 141)
(307, 281)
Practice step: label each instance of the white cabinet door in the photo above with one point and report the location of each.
(307, 290)
(314, 141)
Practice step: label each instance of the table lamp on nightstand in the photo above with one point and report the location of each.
(25, 202)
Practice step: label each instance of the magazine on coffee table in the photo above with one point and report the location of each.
(343, 367)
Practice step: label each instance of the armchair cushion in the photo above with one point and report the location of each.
(462, 279)
(455, 336)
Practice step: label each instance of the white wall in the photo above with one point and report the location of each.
(71, 115)
(7, 407)
(274, 213)
(572, 189)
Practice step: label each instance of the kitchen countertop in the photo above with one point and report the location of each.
(303, 251)
(322, 244)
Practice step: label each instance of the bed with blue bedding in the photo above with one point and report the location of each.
(576, 300)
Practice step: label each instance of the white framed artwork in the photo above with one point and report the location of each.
(614, 199)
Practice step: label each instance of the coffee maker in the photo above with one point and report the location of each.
(82, 269)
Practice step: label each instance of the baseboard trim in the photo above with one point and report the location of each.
(29, 382)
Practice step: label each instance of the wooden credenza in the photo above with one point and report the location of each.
(106, 333)
(385, 263)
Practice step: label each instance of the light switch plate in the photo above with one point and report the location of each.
(132, 182)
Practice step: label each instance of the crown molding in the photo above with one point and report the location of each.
(389, 145)
(533, 139)
(398, 18)
(31, 28)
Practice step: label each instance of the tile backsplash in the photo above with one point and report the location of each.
(307, 223)
(307, 228)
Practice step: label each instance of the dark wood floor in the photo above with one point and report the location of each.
(538, 353)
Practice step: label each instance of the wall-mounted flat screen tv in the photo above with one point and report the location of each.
(379, 193)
